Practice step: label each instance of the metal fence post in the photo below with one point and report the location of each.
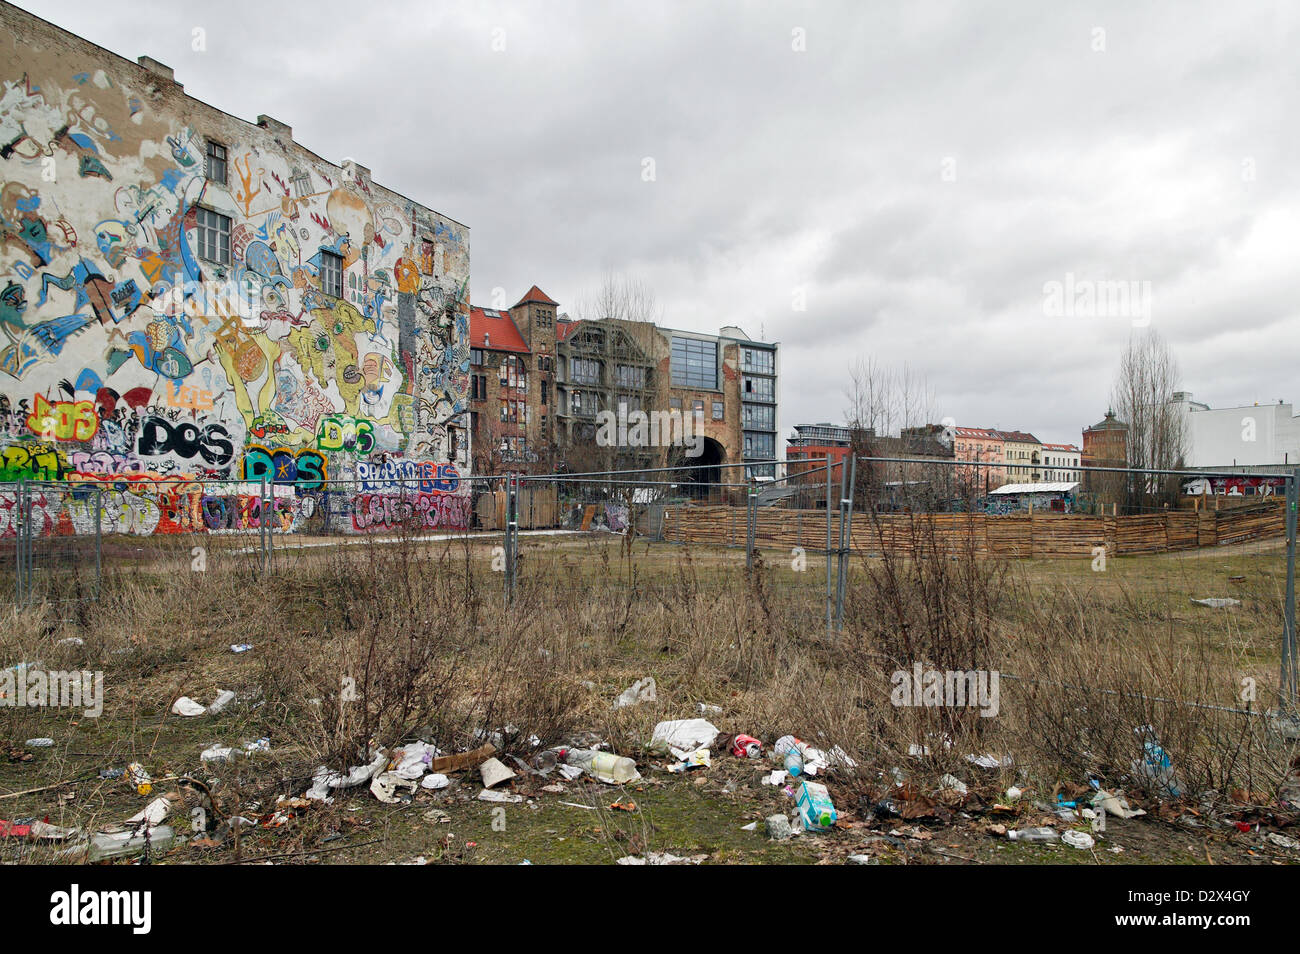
(19, 531)
(751, 520)
(512, 526)
(99, 539)
(829, 597)
(846, 537)
(1289, 671)
(261, 524)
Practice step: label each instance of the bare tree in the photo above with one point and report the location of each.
(620, 297)
(884, 403)
(1142, 396)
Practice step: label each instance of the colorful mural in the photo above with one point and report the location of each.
(167, 317)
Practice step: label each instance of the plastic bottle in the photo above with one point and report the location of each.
(139, 778)
(790, 750)
(606, 766)
(1034, 834)
(116, 845)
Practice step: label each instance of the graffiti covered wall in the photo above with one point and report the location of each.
(185, 296)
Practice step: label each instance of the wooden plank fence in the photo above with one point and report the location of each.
(1041, 534)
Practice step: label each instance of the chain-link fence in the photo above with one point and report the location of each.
(813, 532)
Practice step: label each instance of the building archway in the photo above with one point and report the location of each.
(705, 469)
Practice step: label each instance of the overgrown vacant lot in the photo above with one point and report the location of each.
(375, 644)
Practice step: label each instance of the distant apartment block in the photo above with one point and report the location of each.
(1060, 463)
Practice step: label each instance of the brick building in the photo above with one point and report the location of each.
(512, 385)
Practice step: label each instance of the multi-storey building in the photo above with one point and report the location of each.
(984, 446)
(812, 445)
(1022, 455)
(512, 385)
(188, 294)
(1060, 463)
(723, 387)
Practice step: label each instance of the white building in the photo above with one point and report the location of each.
(1255, 435)
(1060, 463)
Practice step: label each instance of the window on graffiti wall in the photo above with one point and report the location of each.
(331, 273)
(214, 236)
(214, 168)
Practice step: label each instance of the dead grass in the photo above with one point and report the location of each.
(368, 645)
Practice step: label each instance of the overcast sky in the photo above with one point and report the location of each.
(918, 172)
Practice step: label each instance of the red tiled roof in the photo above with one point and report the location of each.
(982, 432)
(497, 326)
(1018, 437)
(1060, 447)
(537, 295)
(564, 328)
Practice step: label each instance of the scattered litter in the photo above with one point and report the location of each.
(816, 810)
(952, 783)
(487, 795)
(435, 781)
(705, 708)
(139, 778)
(1154, 765)
(990, 762)
(777, 777)
(241, 647)
(643, 690)
(494, 772)
(1013, 793)
(686, 734)
(323, 780)
(154, 814)
(437, 816)
(224, 698)
(746, 747)
(71, 641)
(124, 843)
(1034, 834)
(391, 789)
(47, 832)
(752, 826)
(861, 860)
(1218, 602)
(700, 758)
(185, 706)
(1282, 841)
(1078, 839)
(604, 766)
(41, 743)
(590, 808)
(661, 858)
(1115, 805)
